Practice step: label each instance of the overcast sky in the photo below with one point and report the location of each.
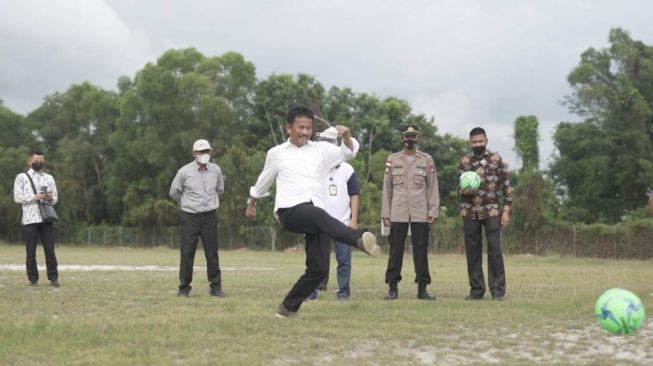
(465, 62)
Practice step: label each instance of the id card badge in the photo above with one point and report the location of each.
(333, 190)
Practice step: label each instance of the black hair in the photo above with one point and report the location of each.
(299, 112)
(477, 131)
(36, 152)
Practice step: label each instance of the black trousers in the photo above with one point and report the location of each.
(194, 226)
(420, 237)
(318, 228)
(31, 233)
(474, 250)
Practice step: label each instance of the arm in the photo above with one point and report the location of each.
(386, 195)
(353, 190)
(507, 194)
(177, 187)
(53, 196)
(263, 184)
(433, 193)
(220, 185)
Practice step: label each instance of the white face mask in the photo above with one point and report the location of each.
(203, 159)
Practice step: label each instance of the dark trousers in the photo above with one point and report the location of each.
(318, 228)
(31, 233)
(194, 226)
(474, 250)
(420, 237)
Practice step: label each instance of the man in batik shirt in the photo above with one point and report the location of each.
(481, 209)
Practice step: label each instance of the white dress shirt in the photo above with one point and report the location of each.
(24, 194)
(301, 173)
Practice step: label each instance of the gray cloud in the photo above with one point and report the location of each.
(466, 63)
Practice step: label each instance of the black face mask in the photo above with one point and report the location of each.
(37, 166)
(410, 144)
(478, 150)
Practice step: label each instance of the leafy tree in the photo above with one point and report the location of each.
(602, 162)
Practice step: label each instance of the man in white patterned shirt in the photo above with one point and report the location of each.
(300, 168)
(32, 224)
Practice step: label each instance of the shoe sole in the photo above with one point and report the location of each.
(369, 244)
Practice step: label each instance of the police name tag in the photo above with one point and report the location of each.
(333, 190)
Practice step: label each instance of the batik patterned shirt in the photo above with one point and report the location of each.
(494, 178)
(24, 194)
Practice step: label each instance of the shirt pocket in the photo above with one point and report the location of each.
(420, 176)
(398, 176)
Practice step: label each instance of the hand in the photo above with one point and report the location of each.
(469, 191)
(40, 197)
(353, 224)
(49, 197)
(342, 130)
(386, 222)
(505, 219)
(250, 212)
(431, 220)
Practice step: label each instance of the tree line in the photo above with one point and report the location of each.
(114, 153)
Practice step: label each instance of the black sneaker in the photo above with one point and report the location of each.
(312, 297)
(184, 291)
(283, 312)
(217, 292)
(55, 283)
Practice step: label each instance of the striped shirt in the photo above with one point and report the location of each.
(197, 188)
(24, 194)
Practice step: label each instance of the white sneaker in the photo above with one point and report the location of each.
(367, 243)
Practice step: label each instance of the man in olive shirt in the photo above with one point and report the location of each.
(481, 209)
(410, 197)
(196, 188)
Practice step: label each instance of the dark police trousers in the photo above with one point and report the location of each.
(32, 232)
(194, 226)
(420, 237)
(318, 228)
(474, 252)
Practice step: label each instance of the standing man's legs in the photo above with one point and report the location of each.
(31, 235)
(397, 240)
(46, 230)
(317, 268)
(420, 237)
(209, 235)
(497, 281)
(474, 253)
(190, 232)
(343, 257)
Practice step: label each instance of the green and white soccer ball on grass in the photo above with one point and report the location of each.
(619, 311)
(470, 180)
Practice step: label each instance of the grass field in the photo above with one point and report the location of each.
(131, 315)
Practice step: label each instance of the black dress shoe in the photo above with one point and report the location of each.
(217, 292)
(474, 297)
(55, 283)
(498, 298)
(184, 291)
(34, 283)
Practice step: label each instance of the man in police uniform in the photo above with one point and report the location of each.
(410, 198)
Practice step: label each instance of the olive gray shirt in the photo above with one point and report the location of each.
(196, 188)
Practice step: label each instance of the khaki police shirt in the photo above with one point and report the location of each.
(410, 188)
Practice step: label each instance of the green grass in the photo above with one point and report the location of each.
(135, 318)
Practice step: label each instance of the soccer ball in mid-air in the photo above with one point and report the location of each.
(619, 311)
(470, 180)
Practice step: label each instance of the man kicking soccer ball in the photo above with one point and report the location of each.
(300, 168)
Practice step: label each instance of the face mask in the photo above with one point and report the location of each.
(37, 166)
(478, 150)
(203, 159)
(410, 144)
